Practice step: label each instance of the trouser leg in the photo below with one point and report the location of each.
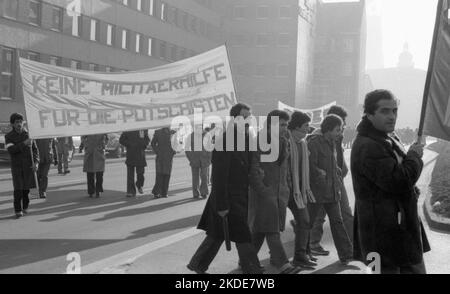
(278, 255)
(140, 170)
(340, 237)
(165, 185)
(346, 213)
(18, 194)
(204, 181)
(131, 188)
(157, 187)
(43, 170)
(206, 253)
(248, 258)
(25, 199)
(258, 240)
(317, 228)
(302, 230)
(195, 181)
(91, 183)
(99, 182)
(60, 162)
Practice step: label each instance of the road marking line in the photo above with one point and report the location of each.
(130, 256)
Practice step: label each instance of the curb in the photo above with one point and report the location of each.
(434, 220)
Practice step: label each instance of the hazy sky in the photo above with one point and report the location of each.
(409, 21)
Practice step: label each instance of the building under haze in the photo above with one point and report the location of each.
(339, 57)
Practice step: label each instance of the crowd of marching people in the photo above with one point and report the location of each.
(249, 196)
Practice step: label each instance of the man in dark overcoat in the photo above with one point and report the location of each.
(162, 146)
(48, 154)
(384, 179)
(229, 197)
(136, 142)
(24, 161)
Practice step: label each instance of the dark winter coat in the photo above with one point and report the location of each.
(386, 215)
(94, 153)
(161, 144)
(136, 146)
(21, 161)
(48, 153)
(269, 192)
(230, 182)
(323, 157)
(197, 158)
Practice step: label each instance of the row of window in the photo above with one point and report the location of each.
(175, 16)
(264, 12)
(48, 16)
(8, 68)
(263, 70)
(263, 40)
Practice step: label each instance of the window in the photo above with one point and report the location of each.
(125, 2)
(77, 25)
(34, 12)
(151, 7)
(124, 39)
(348, 46)
(33, 56)
(282, 70)
(74, 64)
(94, 29)
(284, 40)
(347, 70)
(10, 8)
(150, 47)
(6, 73)
(262, 12)
(139, 5)
(93, 67)
(109, 35)
(138, 43)
(54, 60)
(194, 24)
(163, 11)
(57, 14)
(285, 12)
(162, 50)
(239, 12)
(262, 40)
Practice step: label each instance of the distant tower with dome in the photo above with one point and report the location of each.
(406, 59)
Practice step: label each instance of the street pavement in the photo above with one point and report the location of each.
(115, 234)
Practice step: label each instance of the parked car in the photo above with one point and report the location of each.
(113, 147)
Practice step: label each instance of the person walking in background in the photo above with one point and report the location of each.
(229, 198)
(94, 162)
(346, 211)
(326, 183)
(48, 154)
(136, 143)
(384, 180)
(24, 161)
(162, 146)
(65, 146)
(199, 160)
(269, 195)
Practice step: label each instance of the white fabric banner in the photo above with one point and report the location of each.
(317, 115)
(65, 102)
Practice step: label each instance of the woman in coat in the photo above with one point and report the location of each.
(162, 146)
(94, 162)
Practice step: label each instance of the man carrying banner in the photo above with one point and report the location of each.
(24, 161)
(384, 179)
(162, 146)
(136, 142)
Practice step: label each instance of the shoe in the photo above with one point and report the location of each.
(19, 215)
(97, 195)
(164, 196)
(60, 173)
(25, 211)
(312, 258)
(289, 269)
(196, 270)
(305, 263)
(319, 251)
(204, 196)
(140, 190)
(196, 197)
(43, 195)
(346, 261)
(129, 195)
(67, 172)
(156, 196)
(91, 195)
